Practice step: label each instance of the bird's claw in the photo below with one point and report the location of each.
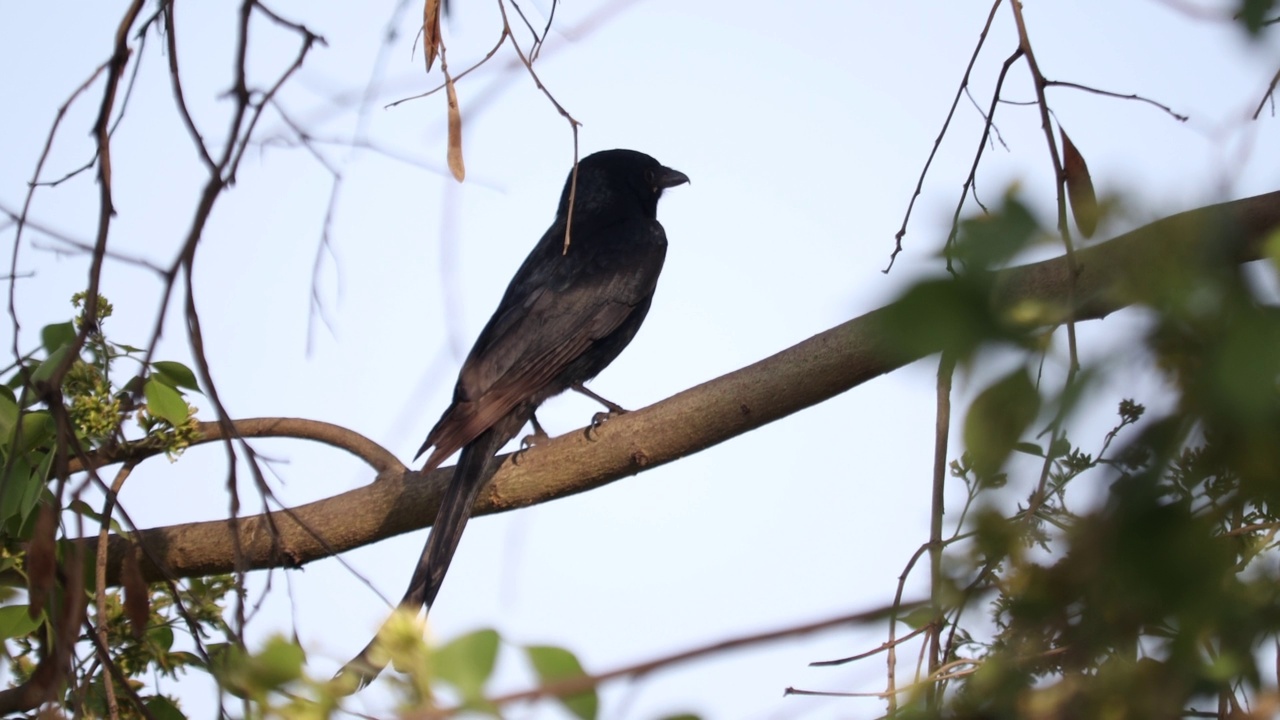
(533, 439)
(599, 419)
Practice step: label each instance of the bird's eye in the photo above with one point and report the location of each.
(649, 177)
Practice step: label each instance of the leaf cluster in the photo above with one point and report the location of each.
(1139, 578)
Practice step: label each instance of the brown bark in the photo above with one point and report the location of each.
(1110, 276)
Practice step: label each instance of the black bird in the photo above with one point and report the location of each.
(566, 315)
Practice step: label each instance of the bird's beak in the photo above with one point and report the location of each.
(668, 178)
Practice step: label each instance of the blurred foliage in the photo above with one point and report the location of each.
(112, 398)
(1160, 598)
(109, 395)
(454, 676)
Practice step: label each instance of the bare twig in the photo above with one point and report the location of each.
(1064, 230)
(104, 651)
(179, 96)
(942, 427)
(337, 436)
(21, 225)
(937, 142)
(106, 206)
(971, 179)
(573, 123)
(887, 645)
(1268, 96)
(100, 582)
(1131, 96)
(571, 686)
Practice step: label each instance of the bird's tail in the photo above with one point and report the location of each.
(476, 466)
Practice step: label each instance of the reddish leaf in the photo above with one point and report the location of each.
(455, 132)
(41, 558)
(430, 31)
(137, 596)
(1084, 203)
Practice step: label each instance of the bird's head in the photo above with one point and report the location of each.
(618, 179)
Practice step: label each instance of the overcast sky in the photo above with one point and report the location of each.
(804, 127)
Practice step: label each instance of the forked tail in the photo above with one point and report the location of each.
(476, 466)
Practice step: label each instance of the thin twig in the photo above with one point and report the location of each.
(887, 645)
(1097, 91)
(572, 686)
(100, 580)
(1060, 176)
(1064, 231)
(942, 428)
(971, 180)
(573, 123)
(1268, 96)
(937, 142)
(179, 96)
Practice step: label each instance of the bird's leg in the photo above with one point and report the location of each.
(614, 408)
(537, 436)
(599, 418)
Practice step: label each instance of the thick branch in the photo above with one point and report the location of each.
(1111, 275)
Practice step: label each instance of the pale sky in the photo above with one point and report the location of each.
(803, 127)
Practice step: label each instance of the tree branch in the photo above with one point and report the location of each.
(1109, 276)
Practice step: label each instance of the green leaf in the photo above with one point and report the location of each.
(8, 416)
(997, 418)
(1253, 13)
(1059, 448)
(988, 241)
(33, 490)
(467, 662)
(179, 659)
(278, 663)
(19, 492)
(165, 402)
(175, 374)
(919, 617)
(37, 432)
(1029, 449)
(1271, 248)
(15, 621)
(57, 335)
(161, 636)
(162, 708)
(226, 663)
(45, 369)
(83, 508)
(948, 314)
(554, 663)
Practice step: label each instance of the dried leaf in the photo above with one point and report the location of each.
(455, 132)
(137, 596)
(430, 31)
(1084, 203)
(73, 608)
(41, 558)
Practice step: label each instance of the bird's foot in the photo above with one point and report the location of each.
(533, 439)
(599, 419)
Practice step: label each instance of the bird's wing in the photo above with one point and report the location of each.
(556, 307)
